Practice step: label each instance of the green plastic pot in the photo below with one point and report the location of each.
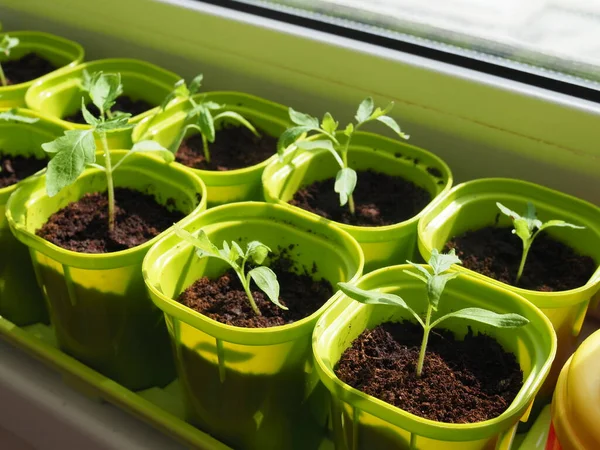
(364, 422)
(59, 95)
(59, 51)
(97, 302)
(223, 186)
(382, 246)
(472, 205)
(21, 301)
(252, 388)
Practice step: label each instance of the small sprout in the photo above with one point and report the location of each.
(527, 227)
(436, 282)
(12, 115)
(324, 138)
(76, 150)
(232, 254)
(200, 116)
(6, 45)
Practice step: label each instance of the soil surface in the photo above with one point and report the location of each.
(379, 200)
(27, 68)
(225, 301)
(123, 104)
(462, 381)
(235, 147)
(496, 253)
(82, 226)
(15, 168)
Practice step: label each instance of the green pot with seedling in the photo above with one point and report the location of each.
(144, 88)
(22, 133)
(93, 282)
(240, 128)
(25, 53)
(435, 298)
(571, 230)
(313, 153)
(250, 385)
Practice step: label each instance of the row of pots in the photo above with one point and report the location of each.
(102, 315)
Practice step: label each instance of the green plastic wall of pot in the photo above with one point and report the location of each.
(252, 388)
(21, 301)
(59, 95)
(97, 302)
(472, 205)
(382, 246)
(223, 186)
(364, 422)
(61, 52)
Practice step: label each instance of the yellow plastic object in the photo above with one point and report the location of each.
(59, 95)
(21, 301)
(98, 303)
(382, 246)
(222, 186)
(576, 402)
(252, 388)
(59, 51)
(472, 205)
(364, 422)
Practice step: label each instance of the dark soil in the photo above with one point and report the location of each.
(462, 381)
(82, 226)
(26, 68)
(15, 168)
(379, 200)
(225, 301)
(123, 104)
(235, 147)
(496, 253)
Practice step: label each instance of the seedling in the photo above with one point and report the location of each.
(236, 258)
(76, 150)
(436, 282)
(200, 116)
(6, 45)
(324, 137)
(527, 227)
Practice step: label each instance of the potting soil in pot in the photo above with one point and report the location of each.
(82, 226)
(224, 299)
(463, 381)
(496, 253)
(379, 200)
(15, 168)
(235, 147)
(26, 68)
(123, 104)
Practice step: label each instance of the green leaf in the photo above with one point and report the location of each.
(8, 43)
(507, 212)
(206, 123)
(381, 112)
(168, 99)
(321, 144)
(87, 116)
(104, 89)
(328, 124)
(349, 130)
(213, 105)
(238, 249)
(560, 223)
(73, 152)
(440, 262)
(523, 228)
(303, 119)
(420, 268)
(345, 182)
(267, 282)
(290, 136)
(436, 285)
(153, 146)
(85, 82)
(487, 317)
(13, 115)
(195, 84)
(257, 251)
(202, 242)
(236, 117)
(416, 275)
(391, 123)
(119, 121)
(365, 109)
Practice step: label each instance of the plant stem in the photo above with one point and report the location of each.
(426, 330)
(109, 183)
(2, 76)
(206, 151)
(246, 283)
(526, 247)
(345, 161)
